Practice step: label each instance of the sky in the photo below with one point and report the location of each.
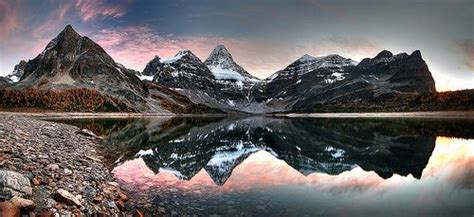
(262, 35)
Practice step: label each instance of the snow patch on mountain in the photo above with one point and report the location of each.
(170, 60)
(146, 77)
(225, 74)
(14, 78)
(222, 65)
(309, 63)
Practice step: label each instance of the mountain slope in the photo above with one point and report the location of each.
(386, 78)
(4, 82)
(18, 71)
(183, 83)
(281, 90)
(303, 86)
(71, 61)
(188, 75)
(222, 65)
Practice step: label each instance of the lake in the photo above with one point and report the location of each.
(265, 166)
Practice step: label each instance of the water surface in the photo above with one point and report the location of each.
(260, 166)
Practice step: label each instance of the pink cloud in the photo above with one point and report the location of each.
(91, 9)
(10, 19)
(134, 46)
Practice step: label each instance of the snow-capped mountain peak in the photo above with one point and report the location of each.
(222, 65)
(178, 56)
(308, 63)
(220, 54)
(306, 58)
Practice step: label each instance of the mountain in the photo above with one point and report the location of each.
(4, 81)
(329, 83)
(380, 83)
(281, 90)
(18, 72)
(74, 64)
(225, 88)
(71, 61)
(222, 65)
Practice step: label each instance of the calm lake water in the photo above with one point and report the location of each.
(261, 166)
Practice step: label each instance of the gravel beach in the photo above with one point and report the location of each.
(52, 169)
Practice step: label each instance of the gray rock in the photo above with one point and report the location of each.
(50, 203)
(14, 184)
(52, 167)
(68, 197)
(87, 132)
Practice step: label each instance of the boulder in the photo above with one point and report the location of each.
(23, 203)
(14, 184)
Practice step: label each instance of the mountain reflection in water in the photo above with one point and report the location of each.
(295, 166)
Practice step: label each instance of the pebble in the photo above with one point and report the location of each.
(56, 168)
(52, 167)
(68, 197)
(67, 172)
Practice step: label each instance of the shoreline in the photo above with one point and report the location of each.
(79, 115)
(435, 114)
(52, 169)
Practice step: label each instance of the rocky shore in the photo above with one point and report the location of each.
(51, 169)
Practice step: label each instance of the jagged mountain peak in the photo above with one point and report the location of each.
(219, 54)
(155, 58)
(72, 61)
(306, 58)
(221, 63)
(416, 54)
(383, 54)
(18, 71)
(65, 39)
(70, 43)
(308, 63)
(151, 67)
(386, 56)
(69, 32)
(184, 54)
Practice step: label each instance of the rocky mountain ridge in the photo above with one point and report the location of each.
(308, 84)
(71, 61)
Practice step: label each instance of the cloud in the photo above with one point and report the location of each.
(92, 9)
(134, 46)
(10, 19)
(467, 48)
